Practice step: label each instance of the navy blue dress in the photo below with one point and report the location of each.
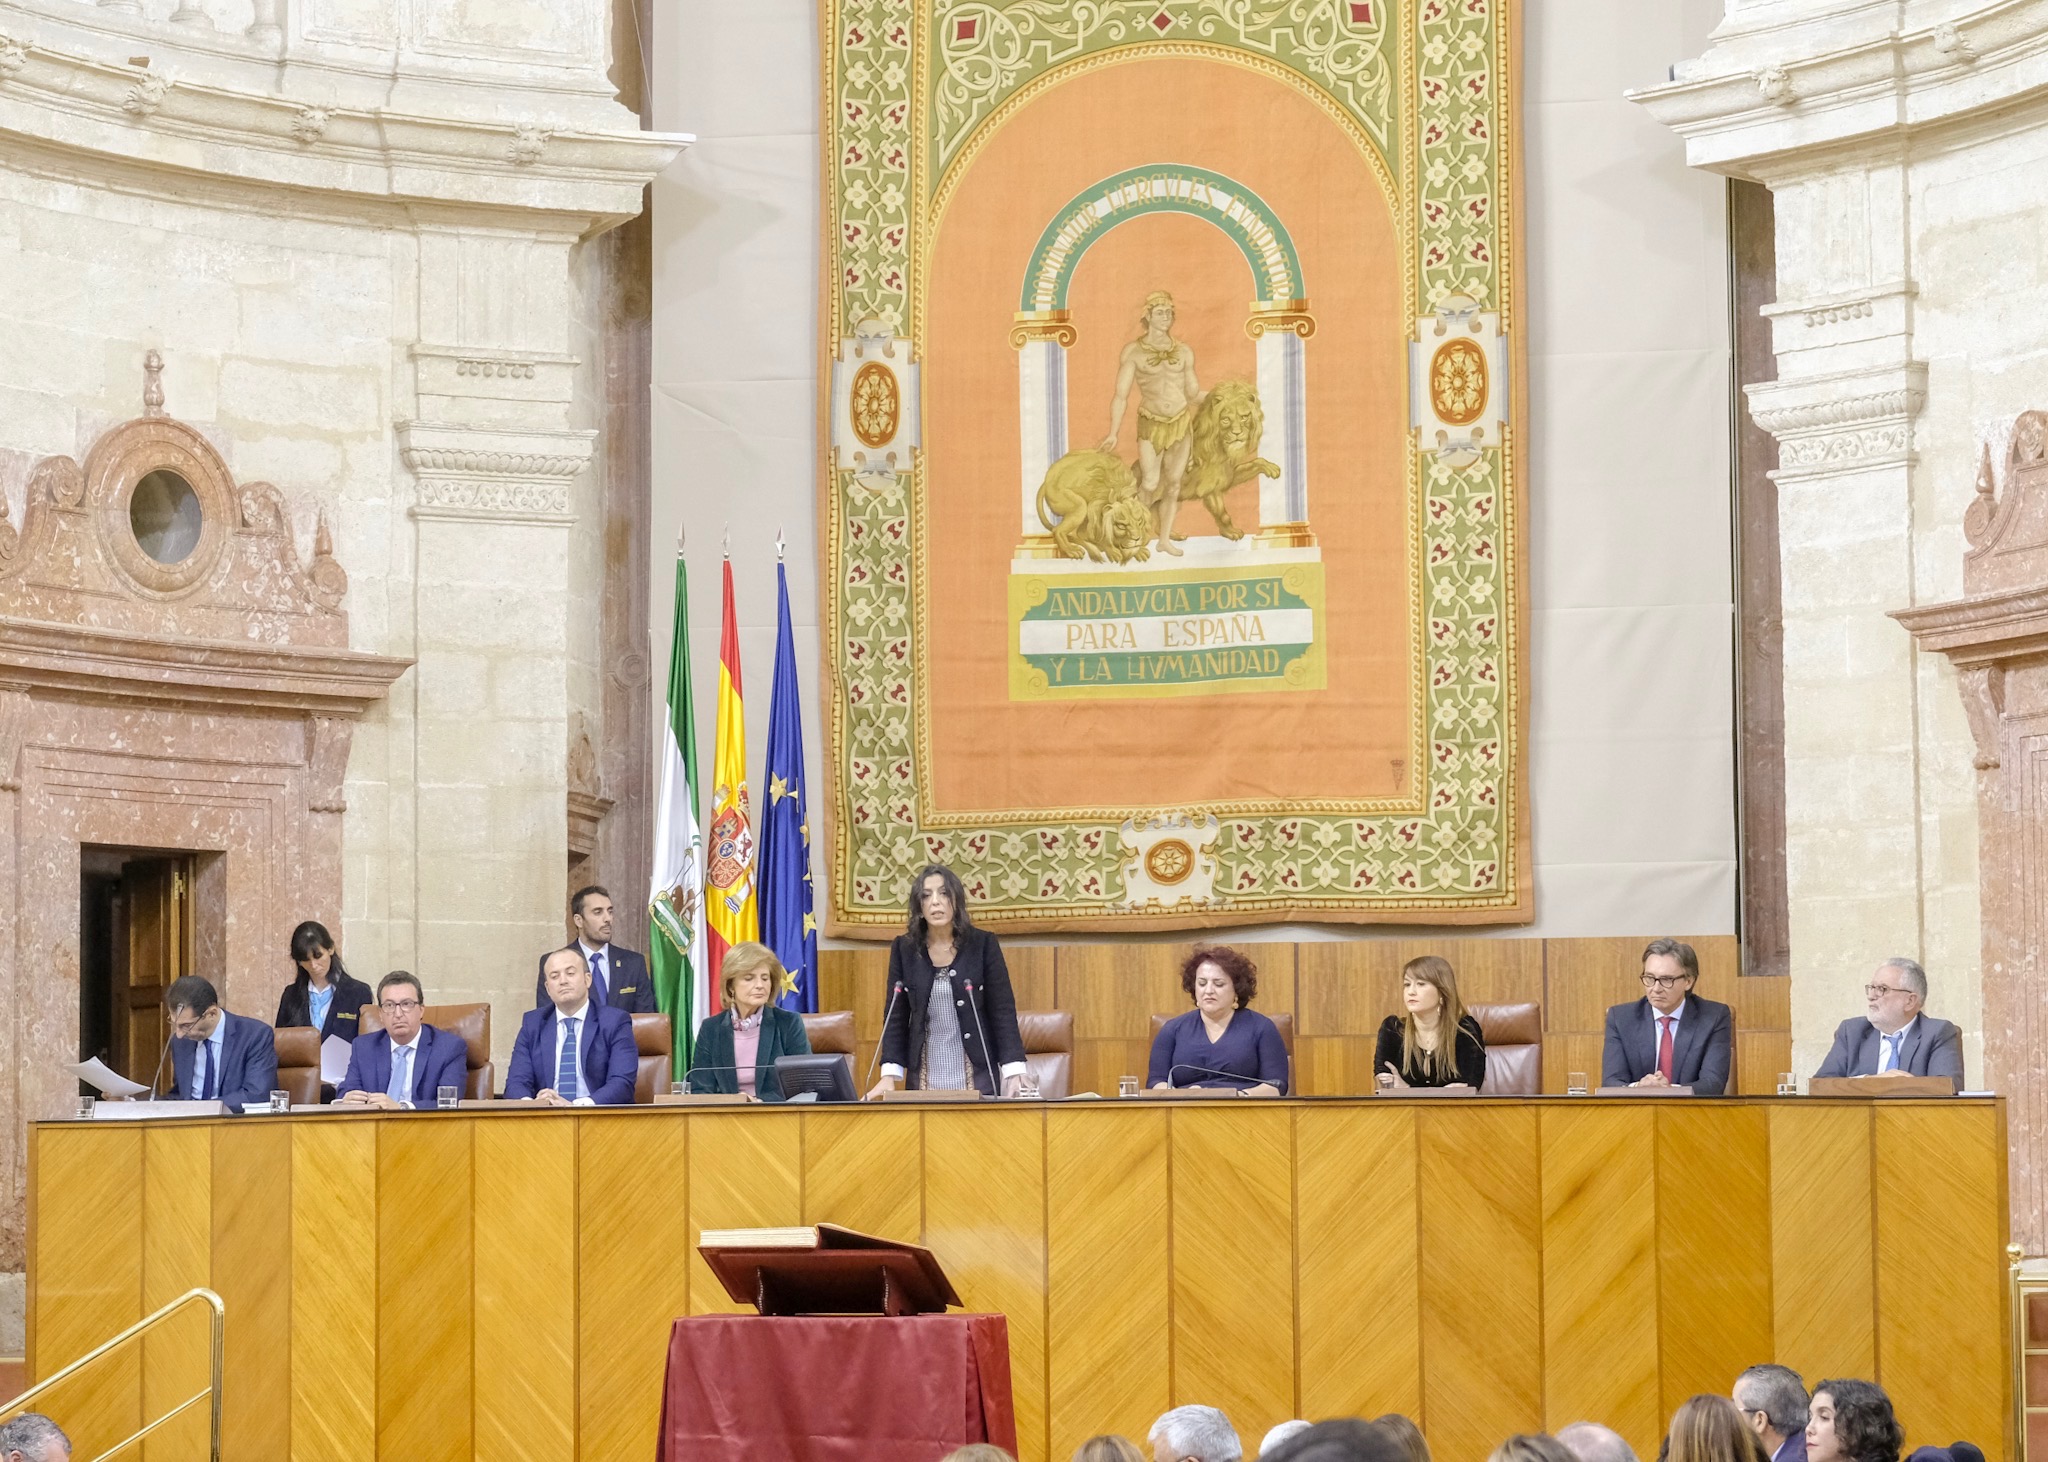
(1251, 1052)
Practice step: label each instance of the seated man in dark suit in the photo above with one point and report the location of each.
(406, 1064)
(618, 977)
(216, 1056)
(1897, 1035)
(575, 1053)
(1670, 1037)
(1773, 1402)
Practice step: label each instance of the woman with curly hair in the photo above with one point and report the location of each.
(1852, 1421)
(1222, 1041)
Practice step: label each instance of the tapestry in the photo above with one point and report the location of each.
(1172, 569)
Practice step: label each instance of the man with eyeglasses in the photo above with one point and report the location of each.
(1670, 1037)
(215, 1056)
(404, 1065)
(1897, 1037)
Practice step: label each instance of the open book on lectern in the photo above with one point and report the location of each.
(824, 1269)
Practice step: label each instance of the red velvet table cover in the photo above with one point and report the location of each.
(814, 1388)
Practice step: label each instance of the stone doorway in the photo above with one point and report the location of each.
(141, 925)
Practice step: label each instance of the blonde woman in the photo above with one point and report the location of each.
(1433, 1042)
(737, 1047)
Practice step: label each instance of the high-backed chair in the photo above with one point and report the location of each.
(1049, 1050)
(298, 1064)
(830, 1032)
(654, 1038)
(1283, 1020)
(1514, 1047)
(472, 1023)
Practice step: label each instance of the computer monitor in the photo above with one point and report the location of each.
(826, 1078)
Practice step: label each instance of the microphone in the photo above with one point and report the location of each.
(1250, 1081)
(988, 1052)
(888, 1011)
(160, 1065)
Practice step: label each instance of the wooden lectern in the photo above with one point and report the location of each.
(826, 1270)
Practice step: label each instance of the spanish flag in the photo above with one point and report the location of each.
(730, 913)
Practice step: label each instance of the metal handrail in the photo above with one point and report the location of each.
(217, 1320)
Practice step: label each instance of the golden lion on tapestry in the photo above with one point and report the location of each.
(1089, 503)
(1228, 427)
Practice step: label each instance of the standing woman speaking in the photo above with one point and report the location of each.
(950, 1020)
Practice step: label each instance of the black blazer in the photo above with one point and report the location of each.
(978, 969)
(1470, 1060)
(1699, 1059)
(711, 1064)
(344, 1016)
(626, 986)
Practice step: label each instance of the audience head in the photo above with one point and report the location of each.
(1897, 992)
(591, 911)
(313, 952)
(938, 904)
(566, 973)
(400, 1001)
(1852, 1421)
(1710, 1429)
(1194, 1434)
(1348, 1440)
(751, 976)
(1408, 1436)
(1219, 979)
(978, 1452)
(33, 1437)
(1591, 1442)
(1670, 970)
(1527, 1447)
(194, 1006)
(1108, 1448)
(1276, 1435)
(1772, 1400)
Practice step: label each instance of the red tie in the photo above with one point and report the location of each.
(1664, 1047)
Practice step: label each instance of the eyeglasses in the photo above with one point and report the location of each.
(398, 1007)
(180, 1027)
(1663, 982)
(1873, 991)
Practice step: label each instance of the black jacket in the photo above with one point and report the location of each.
(344, 1016)
(1469, 1057)
(981, 986)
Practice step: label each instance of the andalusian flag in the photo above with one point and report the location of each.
(729, 908)
(675, 927)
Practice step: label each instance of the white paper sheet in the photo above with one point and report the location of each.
(333, 1060)
(95, 1073)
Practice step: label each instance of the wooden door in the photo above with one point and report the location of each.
(156, 905)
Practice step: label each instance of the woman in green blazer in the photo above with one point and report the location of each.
(736, 1048)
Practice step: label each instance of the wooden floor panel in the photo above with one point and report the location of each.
(1359, 1295)
(177, 1256)
(252, 1273)
(89, 1275)
(525, 1290)
(425, 1379)
(333, 1349)
(746, 1171)
(1824, 1278)
(864, 1170)
(1714, 1315)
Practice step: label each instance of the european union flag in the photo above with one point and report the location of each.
(784, 872)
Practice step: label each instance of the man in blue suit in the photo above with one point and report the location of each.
(1898, 1035)
(618, 977)
(405, 1064)
(1773, 1402)
(1670, 1037)
(216, 1056)
(576, 1052)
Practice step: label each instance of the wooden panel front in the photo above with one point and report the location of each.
(501, 1284)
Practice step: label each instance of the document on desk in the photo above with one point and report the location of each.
(334, 1059)
(109, 1083)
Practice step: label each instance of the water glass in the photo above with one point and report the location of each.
(1575, 1083)
(85, 1106)
(1126, 1086)
(447, 1098)
(1788, 1084)
(1027, 1085)
(280, 1101)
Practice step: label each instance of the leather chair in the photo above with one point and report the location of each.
(472, 1023)
(654, 1038)
(830, 1033)
(1049, 1050)
(1514, 1047)
(298, 1064)
(1283, 1020)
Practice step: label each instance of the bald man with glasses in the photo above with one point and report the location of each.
(1897, 1037)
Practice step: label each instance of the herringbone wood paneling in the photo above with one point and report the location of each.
(1714, 1232)
(1941, 1284)
(252, 1274)
(1233, 1262)
(746, 1171)
(425, 1260)
(1824, 1285)
(1108, 1281)
(89, 1222)
(984, 1217)
(1482, 1283)
(635, 1257)
(334, 1292)
(177, 1255)
(864, 1170)
(525, 1288)
(1359, 1292)
(1600, 1270)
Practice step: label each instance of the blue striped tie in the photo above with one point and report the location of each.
(400, 1089)
(565, 1067)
